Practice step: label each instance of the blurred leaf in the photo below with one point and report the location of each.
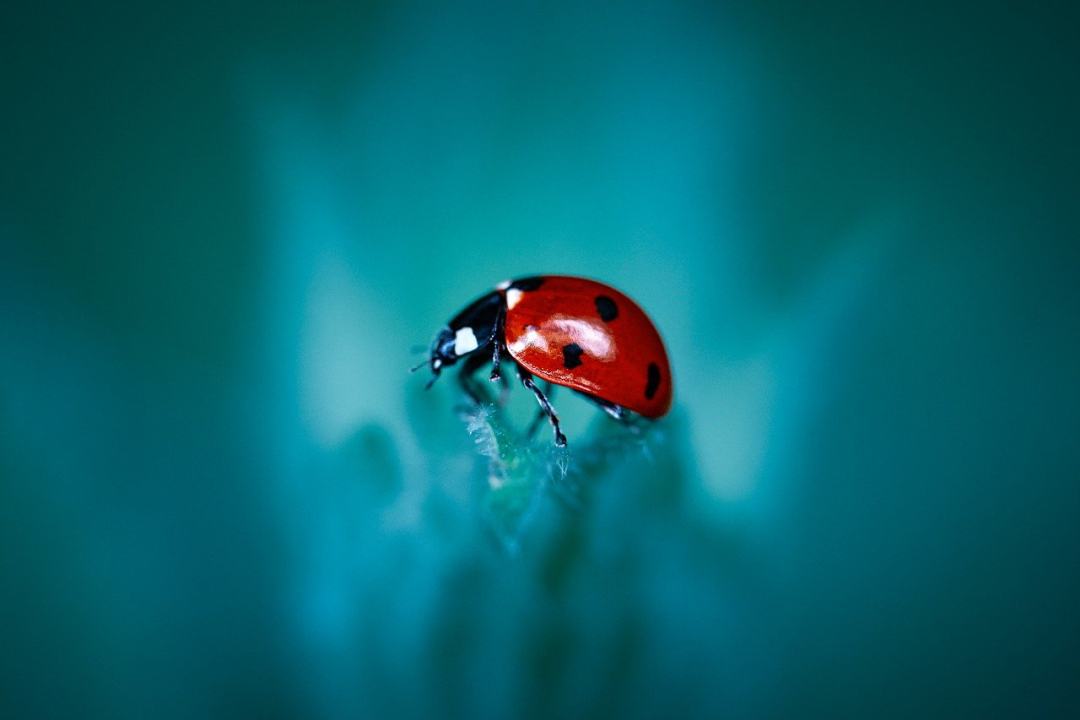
(521, 469)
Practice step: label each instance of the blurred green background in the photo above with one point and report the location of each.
(222, 229)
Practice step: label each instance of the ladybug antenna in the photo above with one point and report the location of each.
(417, 367)
(436, 366)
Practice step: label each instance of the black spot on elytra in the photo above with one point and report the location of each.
(653, 381)
(527, 284)
(607, 308)
(571, 355)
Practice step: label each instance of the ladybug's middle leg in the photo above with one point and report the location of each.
(549, 390)
(545, 406)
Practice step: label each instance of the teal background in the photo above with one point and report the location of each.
(222, 228)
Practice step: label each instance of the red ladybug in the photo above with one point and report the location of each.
(569, 331)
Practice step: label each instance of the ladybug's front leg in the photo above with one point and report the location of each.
(497, 342)
(545, 406)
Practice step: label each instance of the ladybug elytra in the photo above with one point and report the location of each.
(569, 331)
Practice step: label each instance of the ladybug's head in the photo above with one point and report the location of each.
(470, 330)
(443, 353)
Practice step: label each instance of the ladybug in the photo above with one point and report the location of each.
(569, 331)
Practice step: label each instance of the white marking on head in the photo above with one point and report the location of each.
(513, 297)
(503, 285)
(465, 341)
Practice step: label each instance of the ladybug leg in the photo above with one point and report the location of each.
(549, 389)
(504, 390)
(618, 412)
(497, 343)
(476, 393)
(545, 406)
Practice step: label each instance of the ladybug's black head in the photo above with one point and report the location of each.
(472, 329)
(443, 353)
